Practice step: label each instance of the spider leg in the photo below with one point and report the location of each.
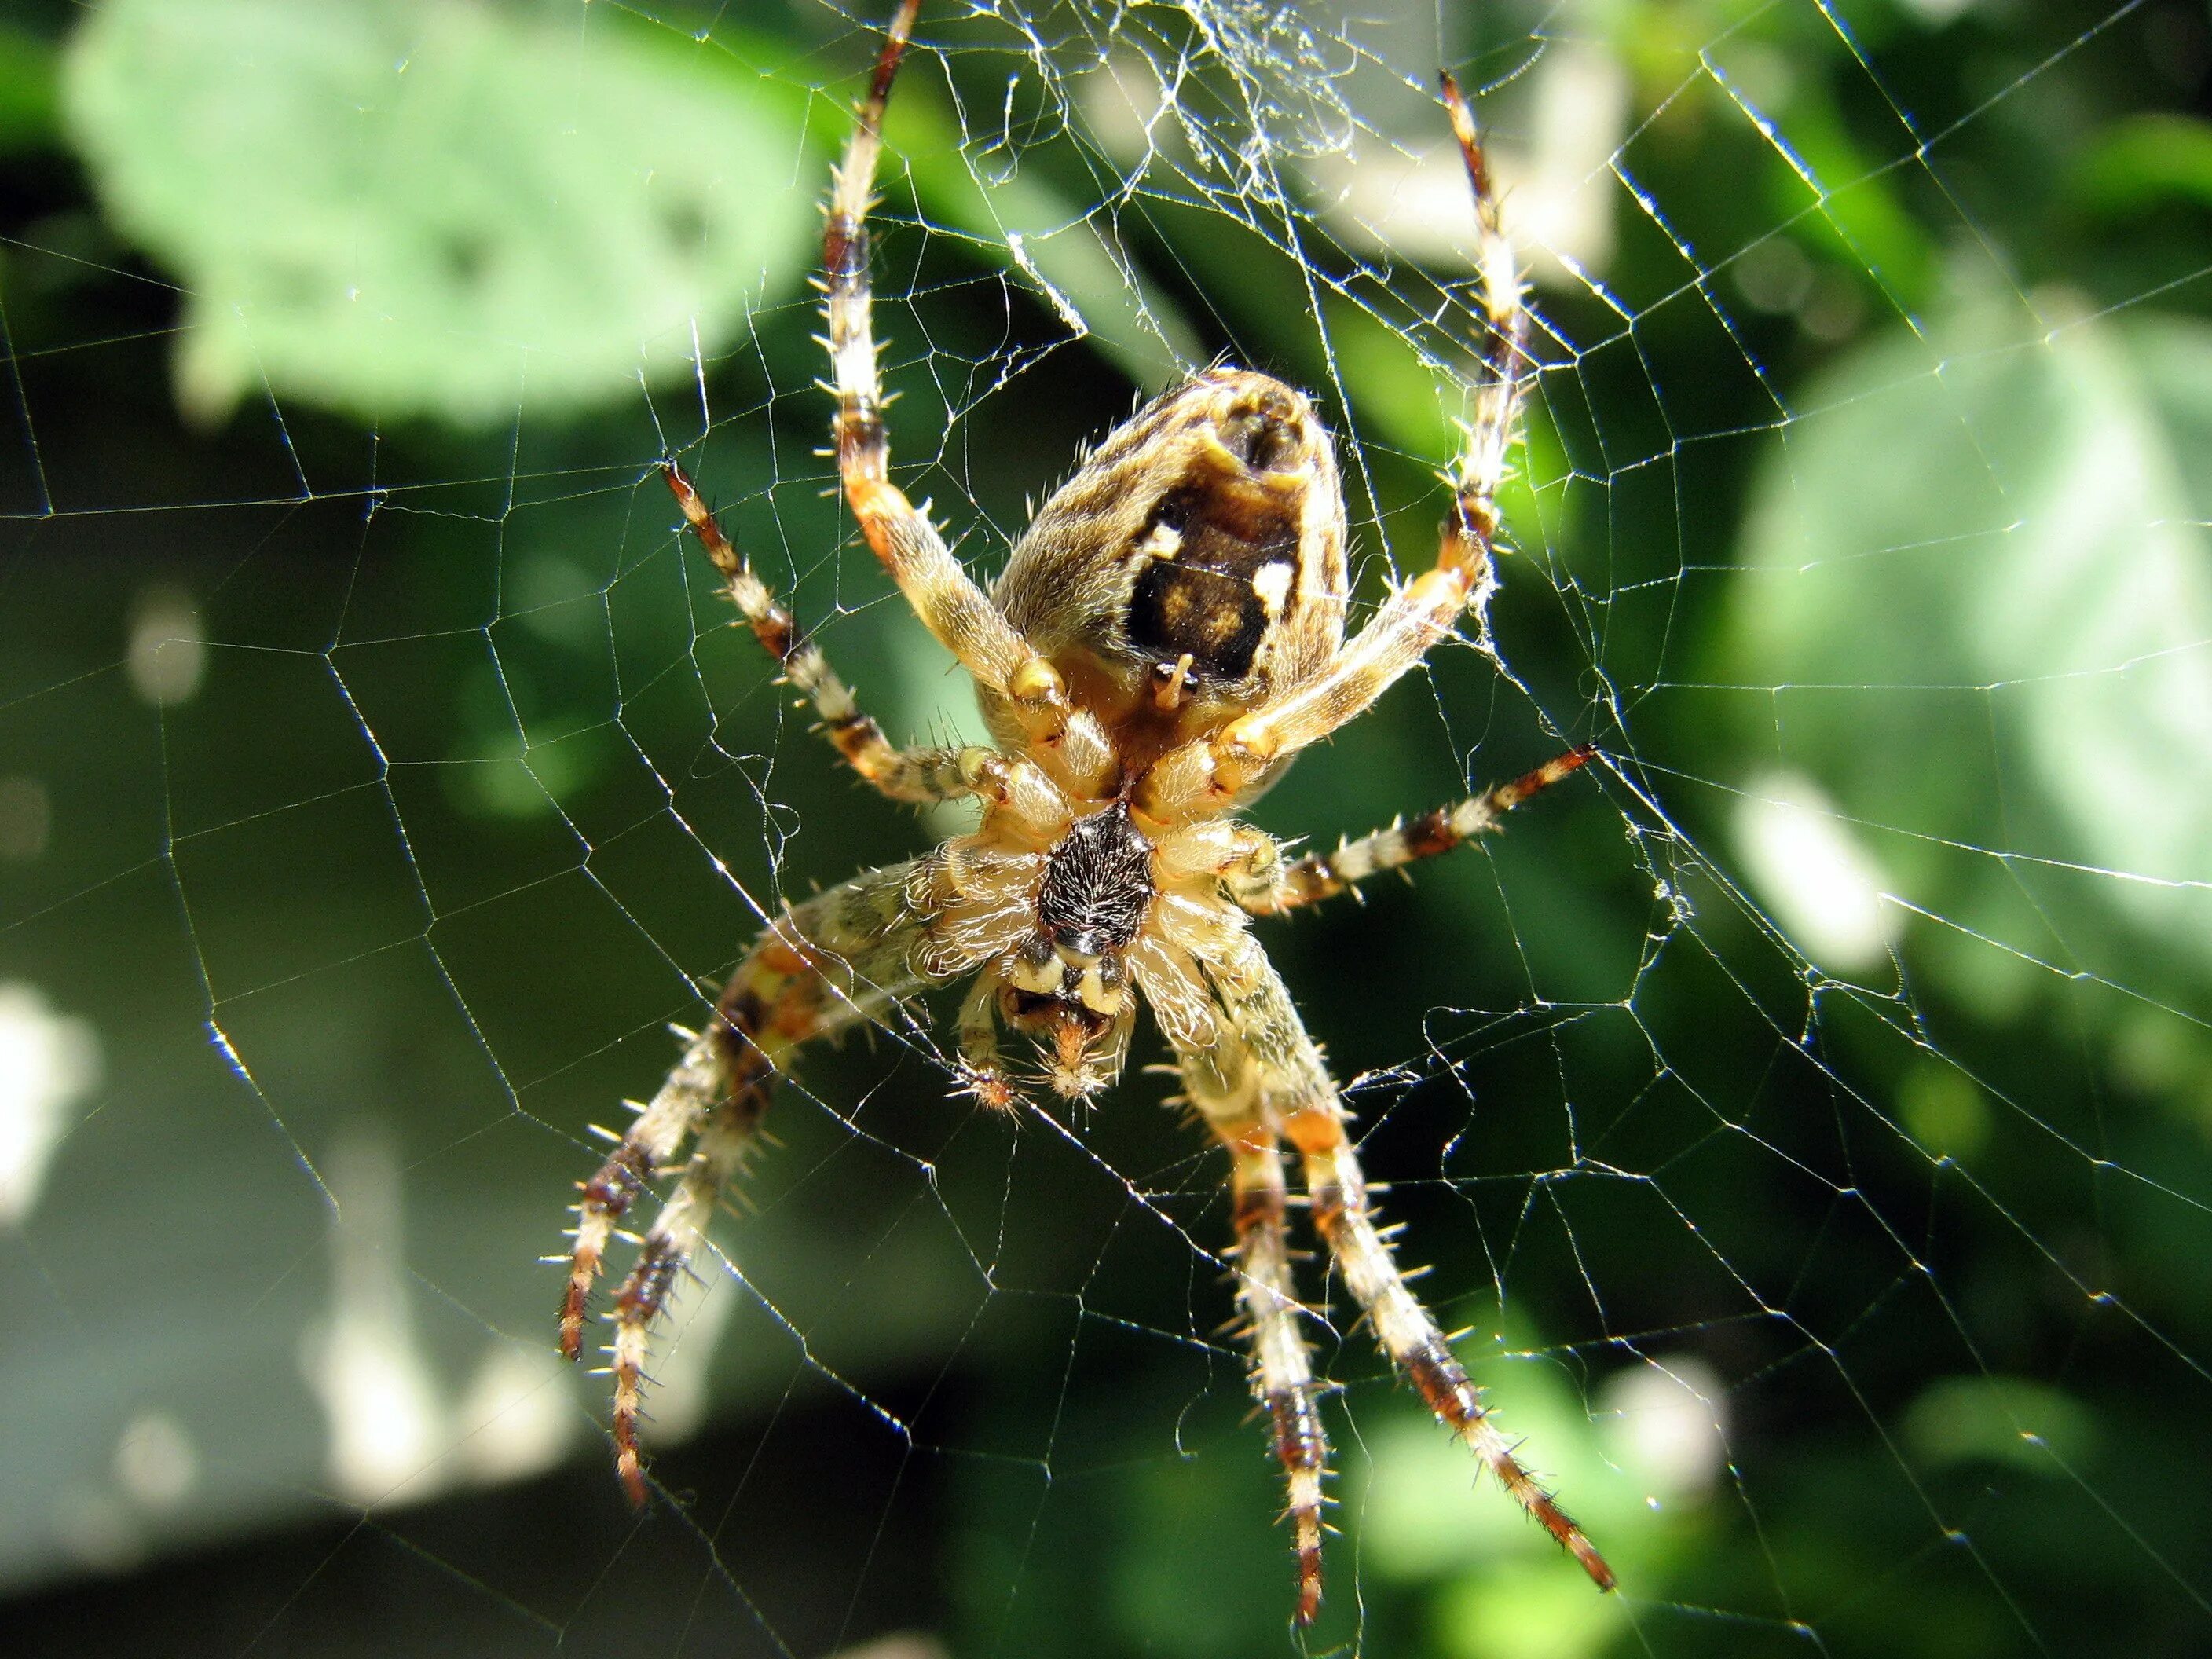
(917, 775)
(1225, 1081)
(1418, 615)
(1321, 876)
(1345, 1218)
(1295, 1096)
(716, 1160)
(945, 597)
(983, 1075)
(685, 1096)
(1282, 1368)
(843, 957)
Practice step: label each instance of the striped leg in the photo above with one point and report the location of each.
(685, 1096)
(1222, 1080)
(1296, 1097)
(1345, 1219)
(918, 776)
(1321, 876)
(840, 958)
(1282, 1370)
(943, 595)
(716, 1160)
(1416, 617)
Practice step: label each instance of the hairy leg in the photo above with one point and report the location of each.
(1297, 1097)
(918, 775)
(840, 958)
(1282, 1370)
(1415, 616)
(717, 1159)
(1321, 876)
(907, 544)
(689, 1092)
(1345, 1218)
(1222, 1081)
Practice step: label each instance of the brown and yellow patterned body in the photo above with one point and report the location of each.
(1168, 633)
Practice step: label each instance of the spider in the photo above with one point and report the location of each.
(1168, 635)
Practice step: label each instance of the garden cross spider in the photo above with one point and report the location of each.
(1168, 633)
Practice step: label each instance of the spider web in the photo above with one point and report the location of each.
(1804, 1109)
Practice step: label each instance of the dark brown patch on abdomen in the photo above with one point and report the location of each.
(1205, 599)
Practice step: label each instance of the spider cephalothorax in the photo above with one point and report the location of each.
(1168, 635)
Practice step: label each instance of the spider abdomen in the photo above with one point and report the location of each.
(1193, 566)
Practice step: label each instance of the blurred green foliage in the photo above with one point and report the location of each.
(1869, 461)
(400, 211)
(2055, 465)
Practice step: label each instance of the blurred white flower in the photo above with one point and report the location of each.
(167, 657)
(1669, 1425)
(1809, 865)
(365, 1361)
(47, 1060)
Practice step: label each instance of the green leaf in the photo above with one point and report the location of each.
(27, 119)
(2001, 1419)
(397, 209)
(1977, 569)
(2139, 163)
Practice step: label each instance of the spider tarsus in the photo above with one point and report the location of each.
(1302, 1448)
(1509, 796)
(1309, 1581)
(1595, 1564)
(632, 1474)
(1463, 130)
(1444, 1385)
(992, 1089)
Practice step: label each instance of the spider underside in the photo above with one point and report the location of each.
(1167, 633)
